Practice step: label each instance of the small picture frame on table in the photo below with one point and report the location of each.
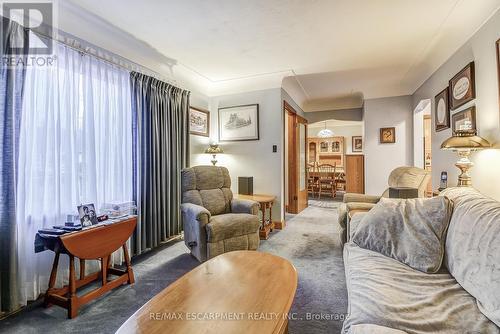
(87, 214)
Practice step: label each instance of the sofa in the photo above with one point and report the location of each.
(412, 177)
(214, 222)
(463, 296)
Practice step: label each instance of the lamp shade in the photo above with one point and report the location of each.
(465, 141)
(214, 149)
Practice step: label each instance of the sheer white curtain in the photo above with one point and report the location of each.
(75, 147)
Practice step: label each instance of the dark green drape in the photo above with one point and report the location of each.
(161, 137)
(11, 90)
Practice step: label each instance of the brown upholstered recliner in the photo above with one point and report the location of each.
(214, 222)
(412, 177)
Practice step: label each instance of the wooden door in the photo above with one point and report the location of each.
(355, 173)
(297, 161)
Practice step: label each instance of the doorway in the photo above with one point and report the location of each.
(422, 138)
(335, 161)
(295, 160)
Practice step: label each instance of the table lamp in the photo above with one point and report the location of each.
(464, 142)
(214, 149)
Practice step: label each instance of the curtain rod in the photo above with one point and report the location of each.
(129, 64)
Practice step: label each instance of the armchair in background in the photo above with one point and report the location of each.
(214, 222)
(411, 177)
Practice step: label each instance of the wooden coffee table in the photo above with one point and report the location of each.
(236, 292)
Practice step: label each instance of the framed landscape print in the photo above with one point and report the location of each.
(199, 122)
(442, 116)
(462, 87)
(357, 144)
(465, 121)
(239, 123)
(387, 135)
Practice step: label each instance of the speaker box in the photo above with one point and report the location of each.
(245, 185)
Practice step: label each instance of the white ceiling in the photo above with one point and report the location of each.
(331, 53)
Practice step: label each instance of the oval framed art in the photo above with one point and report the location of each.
(442, 116)
(462, 87)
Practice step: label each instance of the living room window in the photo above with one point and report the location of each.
(75, 147)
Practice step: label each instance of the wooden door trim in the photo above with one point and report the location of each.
(292, 205)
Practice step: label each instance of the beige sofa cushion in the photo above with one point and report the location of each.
(412, 231)
(373, 329)
(385, 292)
(473, 247)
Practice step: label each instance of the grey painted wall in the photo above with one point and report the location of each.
(381, 159)
(341, 115)
(480, 49)
(252, 158)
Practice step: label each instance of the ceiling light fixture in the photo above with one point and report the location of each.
(325, 133)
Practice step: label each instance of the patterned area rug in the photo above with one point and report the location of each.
(326, 202)
(311, 242)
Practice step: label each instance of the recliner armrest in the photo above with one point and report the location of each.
(244, 206)
(192, 212)
(352, 197)
(195, 218)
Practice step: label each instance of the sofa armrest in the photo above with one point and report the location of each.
(357, 206)
(352, 197)
(244, 206)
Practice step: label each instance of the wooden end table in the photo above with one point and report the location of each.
(265, 202)
(97, 242)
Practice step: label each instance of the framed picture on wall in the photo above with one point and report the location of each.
(239, 123)
(442, 115)
(357, 144)
(199, 122)
(465, 121)
(462, 87)
(387, 135)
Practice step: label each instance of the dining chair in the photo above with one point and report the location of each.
(312, 185)
(327, 179)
